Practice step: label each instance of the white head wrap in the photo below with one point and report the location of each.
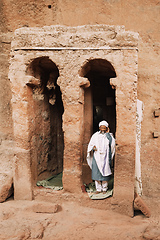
(103, 123)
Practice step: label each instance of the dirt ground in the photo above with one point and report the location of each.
(69, 220)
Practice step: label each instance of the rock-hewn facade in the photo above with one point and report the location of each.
(69, 57)
(116, 13)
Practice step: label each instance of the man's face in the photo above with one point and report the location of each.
(103, 129)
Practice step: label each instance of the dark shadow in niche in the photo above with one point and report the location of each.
(45, 118)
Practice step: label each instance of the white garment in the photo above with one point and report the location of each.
(98, 186)
(103, 123)
(102, 154)
(101, 186)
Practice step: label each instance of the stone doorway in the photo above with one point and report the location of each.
(74, 51)
(45, 119)
(99, 103)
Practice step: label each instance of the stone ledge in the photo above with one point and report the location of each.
(80, 37)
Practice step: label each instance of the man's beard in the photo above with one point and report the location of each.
(103, 132)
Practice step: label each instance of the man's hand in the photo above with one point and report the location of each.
(94, 148)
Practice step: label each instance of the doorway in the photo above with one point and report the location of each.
(99, 104)
(45, 118)
(104, 105)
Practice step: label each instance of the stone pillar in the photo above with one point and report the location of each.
(22, 168)
(72, 166)
(22, 161)
(72, 126)
(88, 119)
(87, 133)
(126, 99)
(22, 175)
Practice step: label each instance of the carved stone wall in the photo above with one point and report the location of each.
(70, 48)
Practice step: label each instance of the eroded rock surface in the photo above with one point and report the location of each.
(18, 221)
(6, 173)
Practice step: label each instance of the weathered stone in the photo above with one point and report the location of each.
(105, 50)
(90, 37)
(142, 206)
(22, 175)
(37, 230)
(6, 165)
(152, 232)
(45, 207)
(6, 37)
(6, 188)
(134, 16)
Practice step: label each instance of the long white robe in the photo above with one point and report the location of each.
(102, 154)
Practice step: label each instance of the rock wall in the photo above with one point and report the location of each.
(139, 16)
(86, 56)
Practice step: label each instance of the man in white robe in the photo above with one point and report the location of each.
(100, 153)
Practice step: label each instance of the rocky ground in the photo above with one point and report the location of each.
(69, 220)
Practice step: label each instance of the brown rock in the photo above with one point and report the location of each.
(6, 188)
(37, 231)
(45, 207)
(142, 206)
(152, 232)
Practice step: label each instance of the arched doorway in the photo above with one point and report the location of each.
(70, 47)
(99, 103)
(45, 118)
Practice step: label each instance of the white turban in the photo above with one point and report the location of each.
(103, 123)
